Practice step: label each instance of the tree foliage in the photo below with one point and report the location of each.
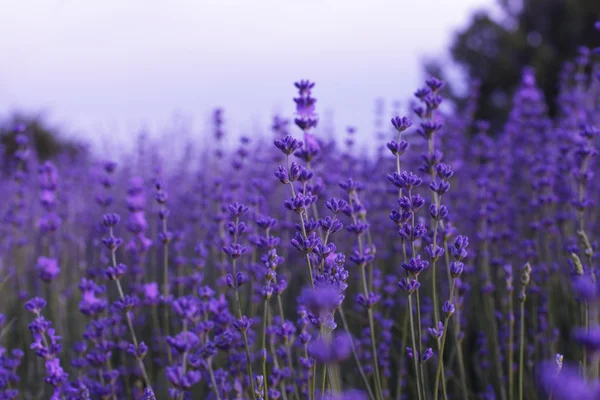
(47, 141)
(543, 34)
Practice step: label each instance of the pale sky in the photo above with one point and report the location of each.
(107, 67)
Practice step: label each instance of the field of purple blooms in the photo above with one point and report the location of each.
(458, 263)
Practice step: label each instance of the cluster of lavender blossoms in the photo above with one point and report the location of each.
(456, 263)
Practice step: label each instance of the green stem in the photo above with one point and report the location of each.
(378, 389)
(420, 341)
(166, 290)
(355, 355)
(128, 317)
(134, 339)
(522, 350)
(323, 379)
(414, 347)
(288, 349)
(401, 360)
(264, 349)
(511, 350)
(442, 343)
(213, 380)
(586, 325)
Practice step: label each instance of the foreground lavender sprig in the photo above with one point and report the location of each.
(125, 303)
(363, 257)
(456, 269)
(46, 344)
(525, 279)
(165, 237)
(237, 279)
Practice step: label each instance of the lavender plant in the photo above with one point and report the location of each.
(248, 284)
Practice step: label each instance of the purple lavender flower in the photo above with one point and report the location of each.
(334, 350)
(47, 268)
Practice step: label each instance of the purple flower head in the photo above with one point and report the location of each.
(401, 123)
(126, 303)
(55, 375)
(238, 229)
(407, 232)
(448, 308)
(186, 307)
(151, 293)
(428, 128)
(184, 341)
(139, 352)
(414, 203)
(115, 273)
(397, 148)
(427, 354)
(323, 251)
(367, 301)
(149, 394)
(590, 339)
(288, 145)
(405, 180)
(585, 288)
(440, 188)
(351, 186)
(332, 350)
(300, 203)
(435, 84)
(456, 269)
(235, 251)
(415, 266)
(408, 285)
(434, 253)
(336, 206)
(48, 176)
(322, 299)
(304, 87)
(243, 324)
(308, 245)
(236, 210)
(110, 220)
(436, 332)
(266, 222)
(112, 243)
(444, 171)
(438, 214)
(35, 305)
(90, 304)
(182, 380)
(459, 250)
(567, 384)
(305, 106)
(47, 268)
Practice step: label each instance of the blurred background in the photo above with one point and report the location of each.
(94, 74)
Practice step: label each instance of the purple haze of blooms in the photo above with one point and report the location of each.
(590, 339)
(336, 350)
(321, 299)
(48, 268)
(567, 384)
(347, 395)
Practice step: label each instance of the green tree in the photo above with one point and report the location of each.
(46, 141)
(542, 34)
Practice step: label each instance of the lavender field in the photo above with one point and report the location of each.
(457, 262)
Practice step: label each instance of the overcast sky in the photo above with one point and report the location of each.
(111, 66)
